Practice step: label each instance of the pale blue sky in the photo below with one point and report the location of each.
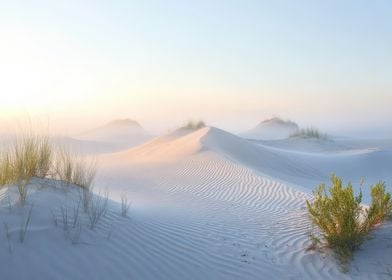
(233, 63)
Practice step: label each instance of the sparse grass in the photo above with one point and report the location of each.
(308, 133)
(24, 226)
(72, 169)
(30, 156)
(125, 205)
(22, 184)
(34, 156)
(97, 208)
(6, 169)
(8, 236)
(342, 219)
(194, 125)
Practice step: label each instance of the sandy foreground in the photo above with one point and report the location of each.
(206, 204)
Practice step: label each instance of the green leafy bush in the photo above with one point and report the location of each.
(380, 207)
(341, 218)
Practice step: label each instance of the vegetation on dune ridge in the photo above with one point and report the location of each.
(30, 156)
(34, 156)
(194, 125)
(308, 133)
(278, 121)
(344, 223)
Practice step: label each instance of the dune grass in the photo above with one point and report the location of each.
(29, 156)
(194, 125)
(343, 221)
(125, 205)
(24, 225)
(33, 155)
(309, 133)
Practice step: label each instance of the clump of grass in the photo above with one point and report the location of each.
(30, 156)
(6, 169)
(34, 156)
(97, 208)
(125, 205)
(308, 133)
(74, 170)
(194, 125)
(22, 184)
(70, 168)
(342, 219)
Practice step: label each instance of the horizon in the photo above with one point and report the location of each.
(80, 65)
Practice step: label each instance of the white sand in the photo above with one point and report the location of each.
(206, 204)
(114, 136)
(272, 129)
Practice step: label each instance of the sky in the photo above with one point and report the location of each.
(78, 64)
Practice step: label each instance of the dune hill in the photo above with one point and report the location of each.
(272, 129)
(124, 133)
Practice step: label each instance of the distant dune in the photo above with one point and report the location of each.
(123, 133)
(272, 129)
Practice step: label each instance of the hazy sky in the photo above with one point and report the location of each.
(232, 63)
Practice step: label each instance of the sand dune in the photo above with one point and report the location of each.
(272, 129)
(122, 134)
(206, 204)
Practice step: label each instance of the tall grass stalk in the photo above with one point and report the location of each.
(25, 225)
(97, 208)
(125, 205)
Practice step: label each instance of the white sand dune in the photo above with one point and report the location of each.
(120, 134)
(272, 129)
(205, 205)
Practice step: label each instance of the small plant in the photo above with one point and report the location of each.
(30, 156)
(194, 125)
(76, 214)
(24, 226)
(380, 207)
(71, 169)
(308, 133)
(65, 219)
(125, 205)
(22, 184)
(97, 208)
(341, 218)
(8, 236)
(6, 169)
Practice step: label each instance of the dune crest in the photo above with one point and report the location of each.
(272, 129)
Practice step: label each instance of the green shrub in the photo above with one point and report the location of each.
(380, 207)
(342, 219)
